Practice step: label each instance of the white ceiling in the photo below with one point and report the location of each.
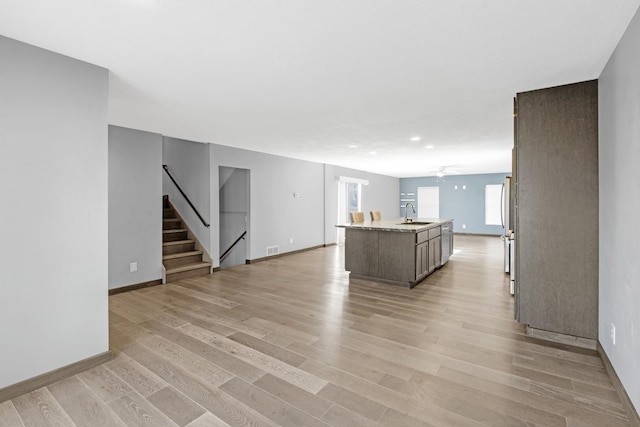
(309, 78)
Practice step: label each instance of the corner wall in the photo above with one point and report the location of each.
(619, 175)
(275, 215)
(188, 162)
(53, 182)
(465, 206)
(135, 206)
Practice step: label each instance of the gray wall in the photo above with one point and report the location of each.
(381, 194)
(464, 206)
(276, 216)
(188, 162)
(135, 201)
(619, 139)
(53, 181)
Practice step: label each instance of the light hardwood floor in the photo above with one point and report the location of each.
(290, 341)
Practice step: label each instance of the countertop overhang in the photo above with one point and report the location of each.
(397, 224)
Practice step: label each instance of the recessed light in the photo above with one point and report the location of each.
(415, 138)
(373, 153)
(428, 147)
(353, 146)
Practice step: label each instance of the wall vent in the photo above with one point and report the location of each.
(273, 250)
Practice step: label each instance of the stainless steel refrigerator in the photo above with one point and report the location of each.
(507, 233)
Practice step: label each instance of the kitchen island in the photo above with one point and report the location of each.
(397, 252)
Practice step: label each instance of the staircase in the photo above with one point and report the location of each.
(179, 255)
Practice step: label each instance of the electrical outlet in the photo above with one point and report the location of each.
(464, 225)
(133, 267)
(613, 334)
(290, 240)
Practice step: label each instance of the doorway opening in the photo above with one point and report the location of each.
(349, 200)
(234, 216)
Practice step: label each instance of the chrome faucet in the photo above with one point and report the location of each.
(406, 211)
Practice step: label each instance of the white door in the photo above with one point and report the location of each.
(428, 202)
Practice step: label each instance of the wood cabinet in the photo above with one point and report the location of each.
(365, 258)
(395, 256)
(556, 209)
(434, 254)
(422, 260)
(402, 258)
(435, 247)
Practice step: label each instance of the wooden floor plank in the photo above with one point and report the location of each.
(9, 416)
(267, 348)
(40, 408)
(223, 359)
(83, 406)
(266, 363)
(293, 341)
(341, 417)
(308, 402)
(104, 383)
(353, 401)
(135, 410)
(176, 405)
(207, 420)
(268, 405)
(138, 377)
(547, 402)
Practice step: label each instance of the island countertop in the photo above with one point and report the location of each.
(398, 225)
(397, 252)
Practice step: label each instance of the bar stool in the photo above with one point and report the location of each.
(357, 216)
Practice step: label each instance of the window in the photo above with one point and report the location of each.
(349, 200)
(493, 204)
(353, 197)
(428, 202)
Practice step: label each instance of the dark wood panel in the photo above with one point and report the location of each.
(557, 213)
(361, 252)
(396, 256)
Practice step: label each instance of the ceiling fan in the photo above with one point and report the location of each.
(441, 171)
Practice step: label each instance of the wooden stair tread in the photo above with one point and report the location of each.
(188, 267)
(177, 242)
(181, 254)
(174, 230)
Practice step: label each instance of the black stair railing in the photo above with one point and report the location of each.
(232, 246)
(166, 169)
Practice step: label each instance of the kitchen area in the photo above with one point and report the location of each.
(401, 251)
